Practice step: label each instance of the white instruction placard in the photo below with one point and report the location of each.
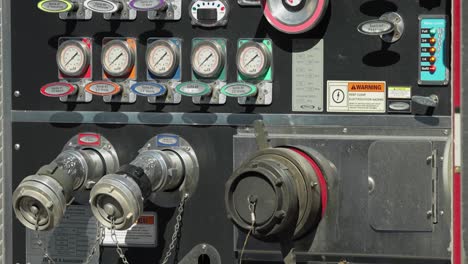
(70, 242)
(141, 234)
(356, 96)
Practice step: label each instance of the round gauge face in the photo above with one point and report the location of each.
(117, 59)
(162, 58)
(207, 59)
(253, 59)
(73, 58)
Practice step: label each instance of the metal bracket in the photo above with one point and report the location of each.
(261, 135)
(81, 96)
(215, 98)
(173, 11)
(125, 97)
(81, 13)
(171, 97)
(125, 14)
(433, 159)
(200, 250)
(264, 96)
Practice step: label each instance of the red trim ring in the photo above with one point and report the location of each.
(314, 19)
(320, 177)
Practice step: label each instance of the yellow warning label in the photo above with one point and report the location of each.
(366, 87)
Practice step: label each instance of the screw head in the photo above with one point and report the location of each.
(17, 94)
(17, 146)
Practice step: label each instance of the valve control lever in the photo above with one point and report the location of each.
(429, 101)
(390, 27)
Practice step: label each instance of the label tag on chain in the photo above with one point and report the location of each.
(141, 234)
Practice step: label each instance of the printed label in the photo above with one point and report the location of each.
(55, 6)
(399, 92)
(103, 88)
(239, 90)
(58, 89)
(167, 141)
(149, 89)
(307, 75)
(141, 234)
(376, 27)
(88, 139)
(101, 6)
(193, 89)
(352, 96)
(70, 242)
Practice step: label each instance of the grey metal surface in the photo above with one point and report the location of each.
(5, 140)
(346, 230)
(402, 193)
(231, 119)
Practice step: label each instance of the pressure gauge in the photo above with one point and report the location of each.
(73, 58)
(207, 59)
(253, 59)
(117, 58)
(162, 58)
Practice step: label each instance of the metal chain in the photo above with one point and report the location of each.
(175, 235)
(118, 248)
(41, 243)
(100, 234)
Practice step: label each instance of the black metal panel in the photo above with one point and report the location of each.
(349, 55)
(204, 217)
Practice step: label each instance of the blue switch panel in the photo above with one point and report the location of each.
(433, 50)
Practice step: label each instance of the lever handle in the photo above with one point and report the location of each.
(58, 89)
(194, 89)
(103, 6)
(239, 89)
(390, 27)
(148, 5)
(149, 89)
(57, 6)
(103, 88)
(429, 101)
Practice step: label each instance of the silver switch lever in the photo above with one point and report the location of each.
(429, 101)
(390, 27)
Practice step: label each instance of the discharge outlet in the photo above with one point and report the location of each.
(40, 200)
(279, 192)
(166, 165)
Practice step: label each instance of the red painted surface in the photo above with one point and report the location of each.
(456, 56)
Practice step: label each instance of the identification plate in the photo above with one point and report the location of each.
(70, 242)
(193, 89)
(55, 6)
(141, 234)
(356, 96)
(146, 5)
(307, 76)
(58, 89)
(239, 90)
(167, 141)
(376, 27)
(101, 6)
(149, 89)
(103, 88)
(399, 92)
(89, 139)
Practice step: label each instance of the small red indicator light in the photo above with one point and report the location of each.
(222, 8)
(432, 68)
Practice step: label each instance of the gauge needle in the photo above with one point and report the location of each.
(160, 59)
(76, 54)
(211, 54)
(252, 60)
(116, 58)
